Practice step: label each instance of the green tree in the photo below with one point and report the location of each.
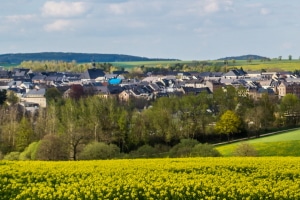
(52, 147)
(30, 152)
(225, 99)
(194, 114)
(74, 127)
(228, 124)
(121, 135)
(162, 125)
(12, 98)
(267, 110)
(253, 120)
(290, 108)
(138, 131)
(24, 134)
(99, 150)
(8, 127)
(53, 94)
(184, 148)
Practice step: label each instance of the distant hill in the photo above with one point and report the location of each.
(244, 57)
(17, 58)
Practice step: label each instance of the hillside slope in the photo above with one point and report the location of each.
(69, 57)
(244, 57)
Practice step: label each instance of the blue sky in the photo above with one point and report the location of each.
(182, 29)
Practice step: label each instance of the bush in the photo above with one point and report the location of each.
(30, 152)
(99, 150)
(52, 147)
(205, 150)
(145, 151)
(245, 149)
(184, 148)
(12, 156)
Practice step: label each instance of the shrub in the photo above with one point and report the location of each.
(245, 149)
(184, 148)
(205, 150)
(52, 147)
(145, 151)
(30, 152)
(12, 156)
(99, 150)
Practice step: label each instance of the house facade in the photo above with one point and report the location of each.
(289, 88)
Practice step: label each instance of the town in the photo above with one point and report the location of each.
(30, 87)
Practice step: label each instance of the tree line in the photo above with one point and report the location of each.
(69, 125)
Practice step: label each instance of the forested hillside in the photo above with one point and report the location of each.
(69, 57)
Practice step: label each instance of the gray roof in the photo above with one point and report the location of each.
(39, 77)
(36, 93)
(92, 74)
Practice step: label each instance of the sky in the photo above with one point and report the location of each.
(181, 29)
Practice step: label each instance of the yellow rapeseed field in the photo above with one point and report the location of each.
(184, 178)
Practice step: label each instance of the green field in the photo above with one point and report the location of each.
(254, 65)
(273, 65)
(284, 144)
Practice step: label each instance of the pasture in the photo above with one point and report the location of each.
(254, 65)
(283, 144)
(184, 178)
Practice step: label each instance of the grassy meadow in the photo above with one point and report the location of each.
(283, 144)
(254, 65)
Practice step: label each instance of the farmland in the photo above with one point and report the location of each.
(200, 65)
(254, 65)
(284, 144)
(185, 178)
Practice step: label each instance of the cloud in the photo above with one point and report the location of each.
(135, 7)
(64, 9)
(203, 8)
(58, 25)
(264, 11)
(117, 9)
(19, 18)
(211, 6)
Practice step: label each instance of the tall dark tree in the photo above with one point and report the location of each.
(3, 96)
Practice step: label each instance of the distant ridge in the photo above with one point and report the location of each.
(244, 57)
(17, 58)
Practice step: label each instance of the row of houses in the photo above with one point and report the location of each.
(31, 87)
